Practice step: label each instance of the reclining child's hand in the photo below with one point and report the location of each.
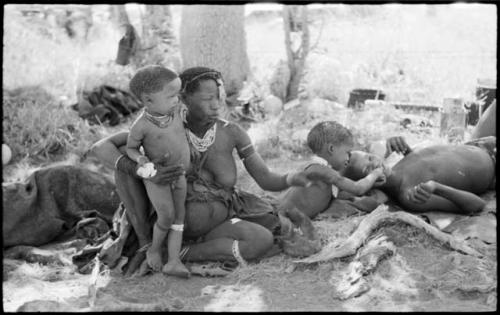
(381, 178)
(397, 144)
(422, 192)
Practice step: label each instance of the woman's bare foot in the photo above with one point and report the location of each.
(153, 257)
(174, 267)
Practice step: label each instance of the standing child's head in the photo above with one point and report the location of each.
(157, 87)
(332, 142)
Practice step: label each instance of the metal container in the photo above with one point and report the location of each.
(453, 119)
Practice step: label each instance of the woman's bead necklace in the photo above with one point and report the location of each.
(202, 144)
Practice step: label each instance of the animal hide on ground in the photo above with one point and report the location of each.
(52, 201)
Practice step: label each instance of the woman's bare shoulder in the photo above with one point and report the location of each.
(234, 130)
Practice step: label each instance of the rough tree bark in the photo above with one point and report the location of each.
(296, 45)
(118, 15)
(214, 36)
(157, 40)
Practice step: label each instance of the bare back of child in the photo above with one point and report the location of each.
(160, 131)
(333, 143)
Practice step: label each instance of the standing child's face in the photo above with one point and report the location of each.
(336, 155)
(163, 101)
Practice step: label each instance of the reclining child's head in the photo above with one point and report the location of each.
(157, 87)
(332, 142)
(361, 164)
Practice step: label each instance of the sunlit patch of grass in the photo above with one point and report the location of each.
(36, 126)
(43, 73)
(412, 52)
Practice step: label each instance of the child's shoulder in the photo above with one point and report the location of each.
(138, 123)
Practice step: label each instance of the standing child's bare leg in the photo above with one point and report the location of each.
(161, 197)
(174, 265)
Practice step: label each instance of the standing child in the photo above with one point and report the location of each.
(160, 131)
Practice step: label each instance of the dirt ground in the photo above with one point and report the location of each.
(422, 275)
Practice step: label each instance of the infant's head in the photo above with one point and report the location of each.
(332, 142)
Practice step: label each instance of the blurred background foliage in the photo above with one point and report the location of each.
(414, 53)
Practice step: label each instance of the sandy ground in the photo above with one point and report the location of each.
(422, 275)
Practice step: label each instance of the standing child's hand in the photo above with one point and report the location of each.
(142, 160)
(146, 169)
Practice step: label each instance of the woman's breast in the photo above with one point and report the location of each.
(220, 169)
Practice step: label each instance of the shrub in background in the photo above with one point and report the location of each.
(326, 79)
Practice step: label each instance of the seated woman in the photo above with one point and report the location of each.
(224, 224)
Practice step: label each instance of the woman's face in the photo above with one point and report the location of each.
(361, 164)
(204, 103)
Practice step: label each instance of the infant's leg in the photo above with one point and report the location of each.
(174, 265)
(161, 198)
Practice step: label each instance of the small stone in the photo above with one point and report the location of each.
(290, 268)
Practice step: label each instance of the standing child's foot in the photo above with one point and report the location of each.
(176, 268)
(154, 259)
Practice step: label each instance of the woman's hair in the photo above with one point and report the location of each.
(150, 79)
(191, 78)
(330, 132)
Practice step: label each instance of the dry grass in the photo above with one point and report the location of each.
(43, 72)
(37, 128)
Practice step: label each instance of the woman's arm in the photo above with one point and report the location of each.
(109, 149)
(358, 188)
(259, 171)
(111, 152)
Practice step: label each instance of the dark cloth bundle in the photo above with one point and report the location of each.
(106, 104)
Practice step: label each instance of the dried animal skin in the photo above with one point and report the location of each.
(375, 219)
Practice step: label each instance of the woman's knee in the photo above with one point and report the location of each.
(255, 244)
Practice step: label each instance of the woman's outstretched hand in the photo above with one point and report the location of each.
(307, 177)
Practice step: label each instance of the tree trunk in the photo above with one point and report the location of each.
(214, 36)
(118, 15)
(295, 25)
(158, 42)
